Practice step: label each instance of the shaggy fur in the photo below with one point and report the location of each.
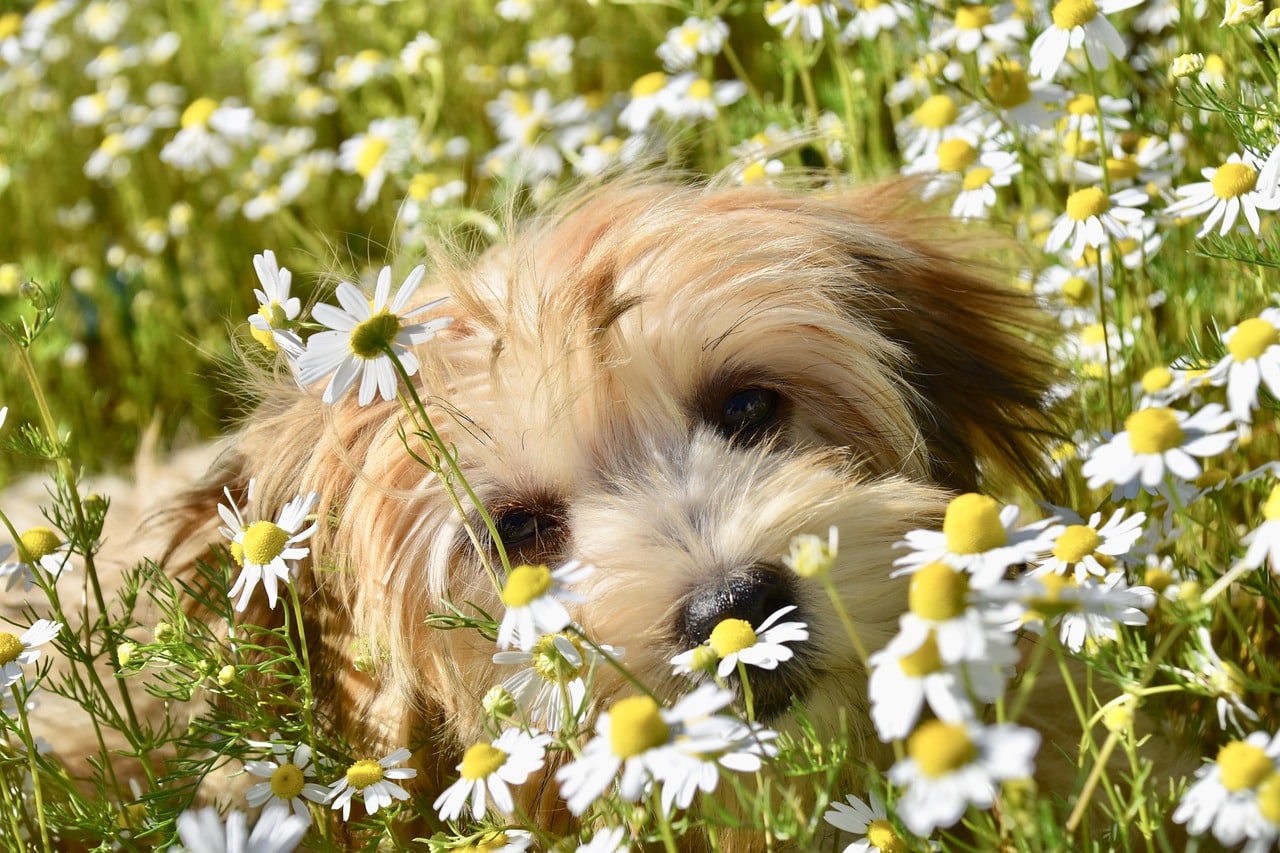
(583, 384)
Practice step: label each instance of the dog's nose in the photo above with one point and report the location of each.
(751, 594)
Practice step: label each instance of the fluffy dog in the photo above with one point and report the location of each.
(669, 382)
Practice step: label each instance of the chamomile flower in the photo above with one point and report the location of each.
(374, 781)
(551, 688)
(276, 307)
(613, 839)
(1084, 611)
(695, 37)
(689, 96)
(644, 102)
(1224, 798)
(950, 766)
(906, 674)
(872, 17)
(1092, 218)
(379, 152)
(975, 25)
(977, 536)
(268, 551)
(810, 556)
(936, 119)
(534, 597)
(1090, 548)
(938, 606)
(1223, 680)
(734, 640)
(286, 787)
(203, 831)
(867, 819)
(487, 772)
(1157, 442)
(211, 133)
(19, 651)
(47, 552)
(1079, 24)
(1227, 191)
(361, 332)
(978, 184)
(1264, 540)
(809, 17)
(650, 744)
(1252, 359)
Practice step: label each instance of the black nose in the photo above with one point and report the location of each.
(751, 594)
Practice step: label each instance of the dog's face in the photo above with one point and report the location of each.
(668, 383)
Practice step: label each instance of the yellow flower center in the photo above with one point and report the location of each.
(648, 85)
(977, 177)
(1082, 105)
(936, 112)
(286, 781)
(972, 17)
(732, 635)
(10, 647)
(1050, 602)
(276, 319)
(198, 112)
(490, 841)
(263, 542)
(1069, 14)
(370, 154)
(553, 666)
(940, 748)
(1076, 542)
(1252, 338)
(1077, 291)
(938, 592)
(525, 584)
(972, 524)
(1158, 579)
(237, 553)
(754, 174)
(1269, 798)
(1008, 84)
(924, 660)
(1157, 379)
(481, 760)
(1122, 168)
(364, 773)
(882, 836)
(699, 90)
(39, 542)
(955, 155)
(1232, 180)
(635, 726)
(1243, 765)
(1153, 430)
(10, 24)
(1271, 509)
(374, 336)
(1090, 201)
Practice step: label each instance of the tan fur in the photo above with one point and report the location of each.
(584, 360)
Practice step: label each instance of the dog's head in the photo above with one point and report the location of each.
(668, 382)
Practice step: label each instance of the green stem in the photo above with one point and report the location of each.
(32, 767)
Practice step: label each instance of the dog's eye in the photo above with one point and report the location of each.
(519, 527)
(749, 412)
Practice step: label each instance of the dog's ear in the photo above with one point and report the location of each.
(978, 350)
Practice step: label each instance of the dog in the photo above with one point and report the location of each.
(668, 381)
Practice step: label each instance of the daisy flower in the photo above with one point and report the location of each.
(1158, 441)
(268, 551)
(1227, 191)
(276, 307)
(689, 96)
(810, 17)
(734, 640)
(928, 125)
(202, 831)
(490, 768)
(1224, 798)
(551, 688)
(652, 744)
(977, 536)
(975, 25)
(867, 819)
(1252, 359)
(286, 786)
(534, 597)
(1079, 24)
(360, 334)
(938, 606)
(374, 781)
(1218, 678)
(211, 133)
(46, 551)
(611, 840)
(904, 676)
(1084, 548)
(645, 102)
(810, 556)
(1264, 540)
(1091, 217)
(1084, 611)
(1020, 101)
(19, 651)
(383, 149)
(695, 37)
(978, 184)
(949, 766)
(872, 17)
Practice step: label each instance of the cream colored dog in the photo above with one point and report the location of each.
(668, 382)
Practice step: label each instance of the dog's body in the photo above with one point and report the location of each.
(668, 382)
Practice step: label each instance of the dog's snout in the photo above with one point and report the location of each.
(751, 594)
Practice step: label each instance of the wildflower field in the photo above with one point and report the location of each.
(190, 192)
